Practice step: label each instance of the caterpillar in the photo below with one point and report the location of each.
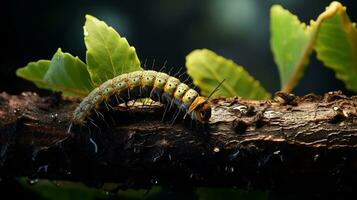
(157, 86)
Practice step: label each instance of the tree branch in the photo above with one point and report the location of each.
(305, 142)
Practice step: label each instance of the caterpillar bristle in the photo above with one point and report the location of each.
(69, 128)
(94, 145)
(164, 114)
(107, 106)
(92, 122)
(153, 64)
(182, 74)
(178, 72)
(145, 63)
(177, 113)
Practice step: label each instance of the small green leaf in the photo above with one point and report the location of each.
(108, 54)
(68, 74)
(291, 45)
(207, 70)
(35, 71)
(336, 44)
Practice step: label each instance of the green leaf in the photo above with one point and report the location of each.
(68, 74)
(35, 71)
(207, 70)
(291, 43)
(336, 44)
(108, 54)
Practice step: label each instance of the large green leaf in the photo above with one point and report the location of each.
(68, 74)
(336, 44)
(35, 71)
(291, 45)
(108, 54)
(207, 70)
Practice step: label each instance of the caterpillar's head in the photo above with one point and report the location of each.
(201, 109)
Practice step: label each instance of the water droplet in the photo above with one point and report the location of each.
(276, 152)
(154, 181)
(281, 158)
(170, 157)
(33, 181)
(316, 157)
(54, 116)
(69, 172)
(191, 175)
(231, 169)
(216, 149)
(16, 111)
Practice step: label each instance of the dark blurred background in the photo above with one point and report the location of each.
(159, 29)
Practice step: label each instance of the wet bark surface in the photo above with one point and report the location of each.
(300, 143)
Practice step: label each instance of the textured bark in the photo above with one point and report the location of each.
(305, 143)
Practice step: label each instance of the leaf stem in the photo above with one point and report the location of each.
(330, 12)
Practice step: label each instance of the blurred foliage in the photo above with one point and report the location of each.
(51, 190)
(61, 190)
(333, 36)
(224, 193)
(208, 69)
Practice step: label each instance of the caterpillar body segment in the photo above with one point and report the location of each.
(144, 84)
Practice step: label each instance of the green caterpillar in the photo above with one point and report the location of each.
(158, 86)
